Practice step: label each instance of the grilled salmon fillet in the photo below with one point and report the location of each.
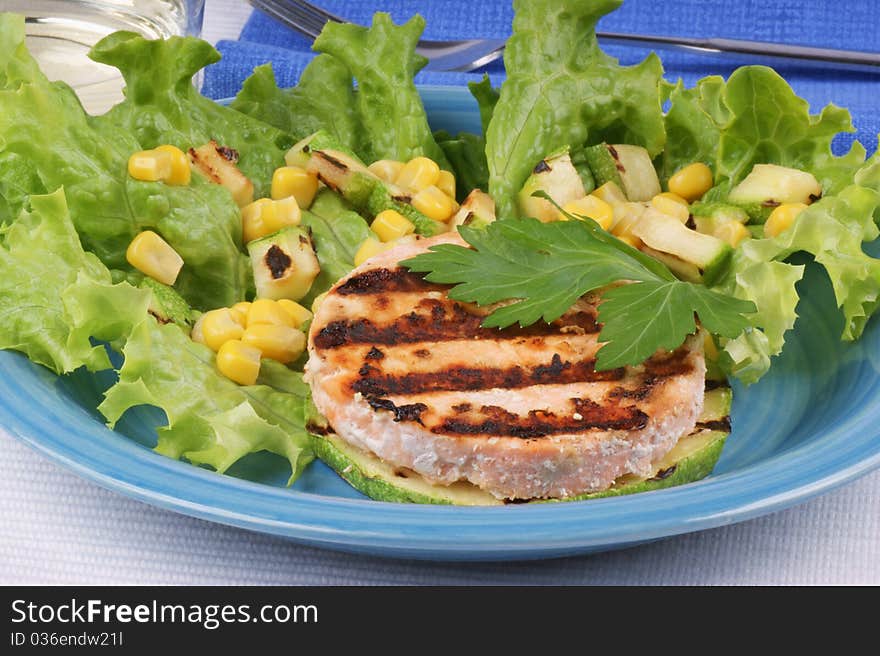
(402, 371)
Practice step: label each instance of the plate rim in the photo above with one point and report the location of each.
(437, 532)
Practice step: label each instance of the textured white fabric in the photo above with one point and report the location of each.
(56, 528)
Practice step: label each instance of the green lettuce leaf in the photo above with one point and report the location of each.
(833, 230)
(562, 90)
(756, 118)
(466, 152)
(162, 106)
(54, 296)
(337, 233)
(53, 143)
(211, 420)
(323, 99)
(383, 60)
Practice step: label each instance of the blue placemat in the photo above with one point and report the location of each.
(841, 24)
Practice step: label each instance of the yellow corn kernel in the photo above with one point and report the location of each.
(196, 333)
(267, 311)
(154, 257)
(320, 297)
(180, 171)
(782, 218)
(386, 169)
(733, 232)
(592, 207)
(610, 193)
(297, 312)
(239, 362)
(281, 343)
(240, 311)
(149, 165)
(369, 248)
(390, 225)
(692, 181)
(418, 173)
(434, 204)
(632, 240)
(297, 182)
(709, 348)
(446, 183)
(219, 326)
(672, 205)
(265, 216)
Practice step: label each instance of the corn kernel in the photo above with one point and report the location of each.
(446, 183)
(239, 362)
(732, 232)
(180, 170)
(592, 207)
(610, 193)
(240, 311)
(154, 257)
(149, 166)
(219, 326)
(265, 216)
(266, 311)
(386, 169)
(297, 182)
(782, 218)
(418, 173)
(320, 297)
(390, 225)
(297, 312)
(281, 343)
(369, 248)
(672, 205)
(434, 204)
(692, 181)
(196, 333)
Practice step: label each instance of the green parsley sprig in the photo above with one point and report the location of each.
(545, 267)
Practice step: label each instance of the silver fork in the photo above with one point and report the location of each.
(467, 55)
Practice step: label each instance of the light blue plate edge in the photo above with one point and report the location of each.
(76, 441)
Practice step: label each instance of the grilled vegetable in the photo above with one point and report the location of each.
(556, 176)
(629, 167)
(219, 165)
(284, 264)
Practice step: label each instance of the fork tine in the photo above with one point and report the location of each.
(291, 14)
(326, 15)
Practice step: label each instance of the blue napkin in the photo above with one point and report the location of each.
(843, 24)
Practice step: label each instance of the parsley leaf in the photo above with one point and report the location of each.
(540, 269)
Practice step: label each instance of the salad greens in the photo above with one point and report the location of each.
(69, 209)
(323, 100)
(383, 60)
(562, 90)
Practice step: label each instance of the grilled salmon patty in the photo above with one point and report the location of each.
(404, 372)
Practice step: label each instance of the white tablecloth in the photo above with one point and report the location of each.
(56, 528)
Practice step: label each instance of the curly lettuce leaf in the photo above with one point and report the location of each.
(324, 99)
(562, 90)
(54, 296)
(162, 106)
(53, 143)
(383, 60)
(211, 420)
(337, 233)
(756, 118)
(833, 230)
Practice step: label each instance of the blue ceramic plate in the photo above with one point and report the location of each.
(812, 424)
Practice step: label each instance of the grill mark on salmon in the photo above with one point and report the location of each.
(443, 321)
(383, 281)
(494, 420)
(461, 379)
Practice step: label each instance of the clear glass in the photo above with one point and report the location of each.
(60, 34)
